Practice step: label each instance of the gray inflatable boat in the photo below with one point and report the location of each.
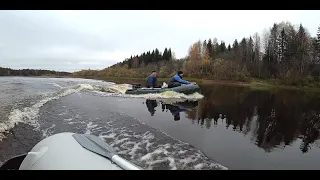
(70, 151)
(185, 89)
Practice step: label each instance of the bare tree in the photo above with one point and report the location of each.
(257, 50)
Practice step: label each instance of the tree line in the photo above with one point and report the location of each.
(31, 72)
(146, 58)
(285, 54)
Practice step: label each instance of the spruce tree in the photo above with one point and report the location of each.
(318, 43)
(170, 54)
(229, 48)
(165, 55)
(210, 48)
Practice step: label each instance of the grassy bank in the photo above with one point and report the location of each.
(255, 84)
(263, 85)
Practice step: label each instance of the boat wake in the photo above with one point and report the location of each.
(29, 115)
(119, 90)
(133, 140)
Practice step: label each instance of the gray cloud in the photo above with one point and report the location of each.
(75, 40)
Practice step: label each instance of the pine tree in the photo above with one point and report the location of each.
(148, 58)
(250, 50)
(243, 50)
(210, 48)
(204, 44)
(272, 48)
(153, 56)
(292, 46)
(165, 55)
(283, 45)
(156, 53)
(135, 62)
(217, 48)
(283, 51)
(235, 49)
(169, 54)
(274, 42)
(318, 43)
(257, 49)
(302, 54)
(229, 48)
(223, 47)
(314, 52)
(318, 35)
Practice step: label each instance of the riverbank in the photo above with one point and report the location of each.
(255, 84)
(44, 76)
(261, 85)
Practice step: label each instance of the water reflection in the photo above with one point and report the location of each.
(175, 109)
(151, 105)
(271, 119)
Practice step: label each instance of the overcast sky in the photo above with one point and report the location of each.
(75, 40)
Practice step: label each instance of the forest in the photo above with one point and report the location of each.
(31, 72)
(283, 54)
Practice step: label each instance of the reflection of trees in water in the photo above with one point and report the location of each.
(272, 119)
(310, 130)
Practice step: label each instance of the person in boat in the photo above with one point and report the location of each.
(177, 80)
(152, 80)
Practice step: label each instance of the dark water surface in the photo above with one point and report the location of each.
(242, 128)
(37, 108)
(233, 126)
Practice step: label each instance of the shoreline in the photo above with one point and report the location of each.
(44, 76)
(259, 85)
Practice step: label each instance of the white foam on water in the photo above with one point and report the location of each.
(29, 115)
(56, 85)
(168, 96)
(143, 150)
(108, 136)
(91, 127)
(118, 90)
(150, 148)
(45, 131)
(69, 119)
(199, 166)
(63, 113)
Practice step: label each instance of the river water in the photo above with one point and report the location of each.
(224, 127)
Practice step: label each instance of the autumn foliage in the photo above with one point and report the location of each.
(286, 53)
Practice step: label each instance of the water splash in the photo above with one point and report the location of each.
(119, 90)
(29, 115)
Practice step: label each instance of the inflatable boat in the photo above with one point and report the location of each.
(185, 89)
(70, 151)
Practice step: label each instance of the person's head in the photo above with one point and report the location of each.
(176, 117)
(154, 73)
(180, 73)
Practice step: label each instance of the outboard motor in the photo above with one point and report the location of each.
(136, 86)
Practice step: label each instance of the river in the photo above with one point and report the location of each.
(224, 127)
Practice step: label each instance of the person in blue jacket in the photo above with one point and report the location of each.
(152, 80)
(177, 80)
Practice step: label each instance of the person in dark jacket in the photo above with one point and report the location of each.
(152, 80)
(177, 80)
